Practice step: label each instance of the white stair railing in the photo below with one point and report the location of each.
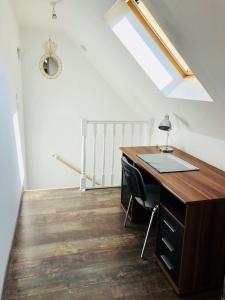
(100, 148)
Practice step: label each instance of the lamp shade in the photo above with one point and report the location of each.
(165, 124)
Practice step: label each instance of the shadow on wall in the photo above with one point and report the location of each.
(17, 136)
(10, 135)
(181, 122)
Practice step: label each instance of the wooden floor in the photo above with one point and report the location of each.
(72, 245)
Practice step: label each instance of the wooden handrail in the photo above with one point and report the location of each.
(70, 166)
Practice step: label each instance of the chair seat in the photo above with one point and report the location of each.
(152, 193)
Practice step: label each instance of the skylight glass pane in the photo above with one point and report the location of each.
(142, 53)
(163, 37)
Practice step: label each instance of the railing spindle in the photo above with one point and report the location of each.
(113, 153)
(140, 134)
(123, 134)
(132, 134)
(103, 165)
(94, 155)
(149, 132)
(83, 155)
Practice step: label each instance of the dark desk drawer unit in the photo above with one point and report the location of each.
(169, 226)
(169, 243)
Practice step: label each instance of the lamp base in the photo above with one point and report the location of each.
(166, 149)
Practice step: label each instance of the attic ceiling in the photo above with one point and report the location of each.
(37, 14)
(196, 27)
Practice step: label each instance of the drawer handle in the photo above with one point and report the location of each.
(168, 245)
(166, 262)
(169, 226)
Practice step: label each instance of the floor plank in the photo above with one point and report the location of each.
(72, 245)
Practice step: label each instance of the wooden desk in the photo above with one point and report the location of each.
(190, 247)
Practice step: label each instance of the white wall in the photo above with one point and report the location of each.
(11, 170)
(183, 136)
(54, 109)
(205, 147)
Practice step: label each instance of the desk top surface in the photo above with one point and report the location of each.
(207, 184)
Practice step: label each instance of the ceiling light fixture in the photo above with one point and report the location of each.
(54, 15)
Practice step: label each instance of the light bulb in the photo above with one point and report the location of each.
(54, 16)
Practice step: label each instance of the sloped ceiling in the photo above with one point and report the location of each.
(36, 13)
(196, 28)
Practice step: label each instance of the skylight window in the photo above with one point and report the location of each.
(139, 32)
(142, 53)
(161, 37)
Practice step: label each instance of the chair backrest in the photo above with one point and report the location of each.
(134, 179)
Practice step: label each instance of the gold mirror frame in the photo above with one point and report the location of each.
(50, 48)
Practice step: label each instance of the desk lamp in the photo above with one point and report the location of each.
(165, 125)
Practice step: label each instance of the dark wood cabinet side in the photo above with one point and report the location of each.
(203, 254)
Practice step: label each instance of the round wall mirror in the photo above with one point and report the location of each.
(50, 66)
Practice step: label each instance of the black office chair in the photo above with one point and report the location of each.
(145, 195)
